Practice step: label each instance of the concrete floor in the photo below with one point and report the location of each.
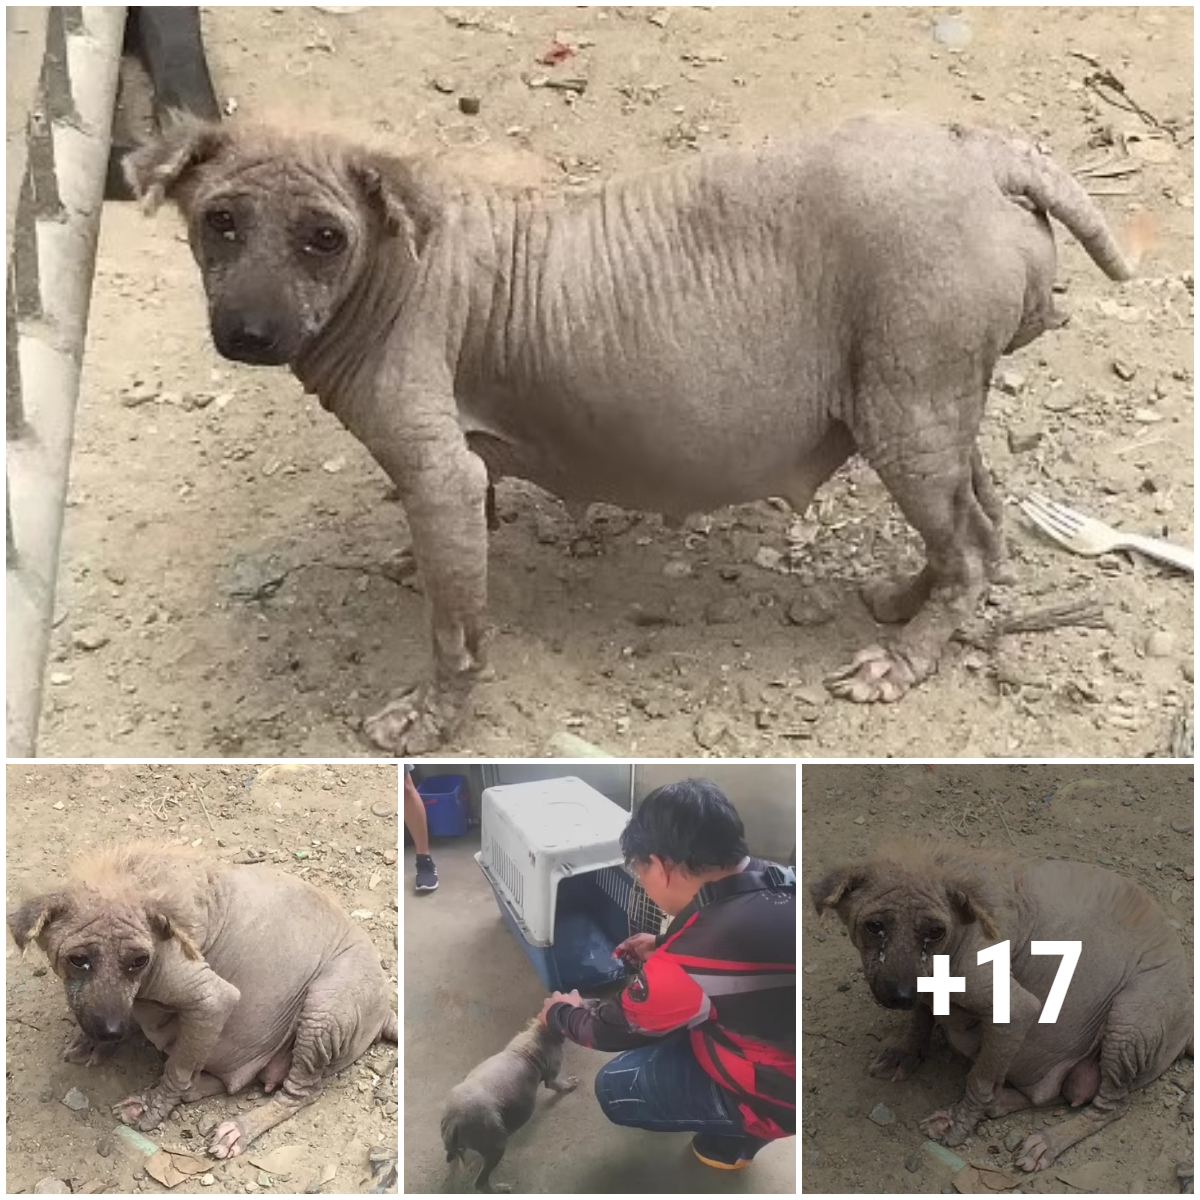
(467, 989)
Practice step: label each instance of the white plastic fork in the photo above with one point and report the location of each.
(1086, 535)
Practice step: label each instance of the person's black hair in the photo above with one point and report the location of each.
(691, 824)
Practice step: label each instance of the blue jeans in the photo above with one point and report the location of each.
(663, 1088)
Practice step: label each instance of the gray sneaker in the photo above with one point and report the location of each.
(427, 879)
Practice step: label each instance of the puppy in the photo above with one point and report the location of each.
(1126, 1017)
(498, 1097)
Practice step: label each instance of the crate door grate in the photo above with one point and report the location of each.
(644, 915)
(509, 874)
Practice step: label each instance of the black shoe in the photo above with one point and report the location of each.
(427, 879)
(725, 1152)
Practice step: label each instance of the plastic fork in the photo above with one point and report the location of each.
(1088, 536)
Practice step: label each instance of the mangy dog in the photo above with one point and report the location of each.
(498, 1097)
(1126, 1017)
(236, 972)
(719, 331)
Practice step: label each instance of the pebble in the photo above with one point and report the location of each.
(723, 611)
(208, 1179)
(1022, 438)
(710, 728)
(469, 105)
(1124, 370)
(806, 611)
(444, 84)
(913, 1161)
(89, 638)
(75, 1100)
(1189, 670)
(768, 558)
(952, 32)
(139, 392)
(60, 678)
(882, 1115)
(51, 1187)
(114, 575)
(389, 857)
(1160, 644)
(1010, 382)
(106, 1145)
(677, 568)
(1181, 826)
(1013, 1139)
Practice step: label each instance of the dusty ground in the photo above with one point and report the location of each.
(230, 553)
(467, 989)
(343, 821)
(1119, 816)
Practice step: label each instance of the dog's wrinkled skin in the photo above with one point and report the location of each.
(712, 333)
(1126, 1017)
(236, 973)
(498, 1097)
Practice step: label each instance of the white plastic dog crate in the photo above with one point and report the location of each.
(552, 854)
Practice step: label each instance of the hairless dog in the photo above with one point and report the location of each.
(236, 972)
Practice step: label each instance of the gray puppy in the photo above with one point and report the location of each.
(498, 1097)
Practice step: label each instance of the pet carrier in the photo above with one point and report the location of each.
(551, 852)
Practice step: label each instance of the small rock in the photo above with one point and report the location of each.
(1124, 370)
(725, 611)
(1013, 1139)
(677, 568)
(768, 558)
(51, 1187)
(1022, 438)
(882, 1115)
(1160, 644)
(913, 1161)
(208, 1179)
(89, 639)
(389, 857)
(808, 610)
(469, 105)
(105, 1146)
(730, 574)
(711, 727)
(1010, 382)
(75, 1100)
(334, 465)
(444, 84)
(1181, 826)
(1188, 669)
(139, 392)
(114, 575)
(60, 678)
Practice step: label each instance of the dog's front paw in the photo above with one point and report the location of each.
(876, 675)
(87, 1051)
(569, 1084)
(418, 721)
(132, 1111)
(894, 1064)
(948, 1127)
(1037, 1153)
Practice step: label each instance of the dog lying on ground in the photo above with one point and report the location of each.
(498, 1097)
(1126, 1017)
(723, 330)
(235, 972)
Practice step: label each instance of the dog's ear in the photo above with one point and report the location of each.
(835, 887)
(30, 921)
(167, 922)
(963, 896)
(392, 192)
(155, 171)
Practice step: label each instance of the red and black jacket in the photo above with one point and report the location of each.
(725, 969)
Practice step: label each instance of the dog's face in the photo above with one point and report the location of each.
(898, 919)
(102, 950)
(281, 230)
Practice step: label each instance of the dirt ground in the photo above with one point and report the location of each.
(230, 580)
(1123, 817)
(335, 826)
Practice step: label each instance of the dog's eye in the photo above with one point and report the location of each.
(327, 239)
(220, 221)
(139, 963)
(936, 933)
(874, 927)
(78, 961)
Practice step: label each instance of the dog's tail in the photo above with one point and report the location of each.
(450, 1137)
(1021, 170)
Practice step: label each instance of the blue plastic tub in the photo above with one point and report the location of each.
(447, 806)
(589, 922)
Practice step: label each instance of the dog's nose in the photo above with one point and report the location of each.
(254, 339)
(109, 1029)
(897, 995)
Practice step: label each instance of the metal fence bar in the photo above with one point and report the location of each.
(49, 287)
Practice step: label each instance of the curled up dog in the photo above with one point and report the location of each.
(1125, 1018)
(236, 973)
(498, 1097)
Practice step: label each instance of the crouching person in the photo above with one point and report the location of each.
(708, 1025)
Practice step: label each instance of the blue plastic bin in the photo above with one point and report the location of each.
(447, 806)
(589, 921)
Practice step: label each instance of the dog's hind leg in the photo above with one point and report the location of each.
(491, 1158)
(342, 1014)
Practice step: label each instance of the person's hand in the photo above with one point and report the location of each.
(639, 947)
(573, 998)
